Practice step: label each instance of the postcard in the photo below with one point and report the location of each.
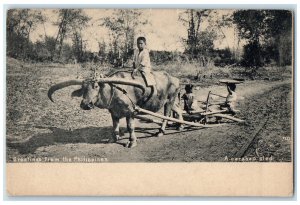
(149, 102)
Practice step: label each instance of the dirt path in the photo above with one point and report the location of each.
(59, 130)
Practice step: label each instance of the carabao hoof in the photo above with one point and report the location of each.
(126, 144)
(180, 128)
(159, 134)
(118, 137)
(132, 144)
(114, 139)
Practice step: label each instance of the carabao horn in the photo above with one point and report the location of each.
(62, 85)
(122, 81)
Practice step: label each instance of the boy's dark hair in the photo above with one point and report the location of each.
(188, 88)
(141, 38)
(232, 86)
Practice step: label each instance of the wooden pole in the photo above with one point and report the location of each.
(213, 112)
(203, 113)
(138, 109)
(148, 119)
(218, 95)
(206, 107)
(207, 100)
(228, 117)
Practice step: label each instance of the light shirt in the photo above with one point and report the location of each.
(231, 100)
(231, 97)
(142, 60)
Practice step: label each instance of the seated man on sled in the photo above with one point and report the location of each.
(189, 99)
(231, 99)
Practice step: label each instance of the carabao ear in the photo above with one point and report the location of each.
(77, 93)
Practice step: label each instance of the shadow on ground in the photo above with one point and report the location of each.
(91, 135)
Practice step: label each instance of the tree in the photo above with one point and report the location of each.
(78, 46)
(281, 40)
(123, 25)
(50, 43)
(260, 28)
(193, 19)
(203, 28)
(253, 26)
(20, 24)
(71, 21)
(43, 49)
(219, 20)
(102, 51)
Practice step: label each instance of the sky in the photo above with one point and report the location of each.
(164, 32)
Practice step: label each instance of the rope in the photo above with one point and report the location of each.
(112, 95)
(125, 93)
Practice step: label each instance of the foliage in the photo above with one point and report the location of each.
(102, 52)
(267, 34)
(123, 25)
(193, 19)
(71, 22)
(161, 57)
(78, 46)
(265, 30)
(41, 53)
(223, 57)
(199, 44)
(20, 24)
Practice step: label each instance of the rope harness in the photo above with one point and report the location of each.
(113, 87)
(112, 95)
(134, 106)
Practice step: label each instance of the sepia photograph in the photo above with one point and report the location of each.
(172, 85)
(149, 85)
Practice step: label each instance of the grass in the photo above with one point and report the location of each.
(195, 72)
(187, 72)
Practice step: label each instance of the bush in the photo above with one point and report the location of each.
(252, 55)
(223, 57)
